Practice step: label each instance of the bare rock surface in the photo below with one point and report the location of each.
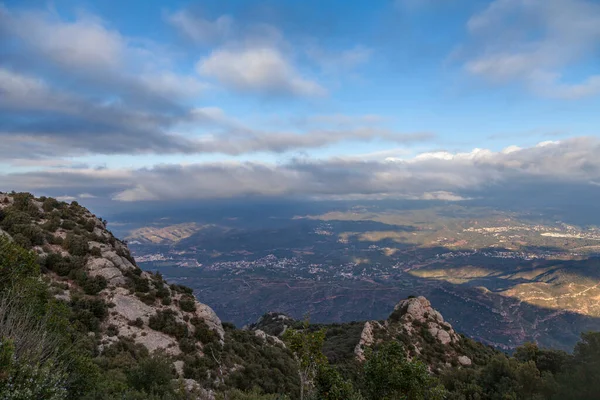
(367, 339)
(266, 338)
(210, 318)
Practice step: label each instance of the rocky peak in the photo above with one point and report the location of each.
(416, 312)
(421, 329)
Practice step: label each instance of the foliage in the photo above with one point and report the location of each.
(24, 380)
(152, 375)
(581, 376)
(166, 321)
(307, 348)
(501, 378)
(187, 303)
(330, 385)
(389, 375)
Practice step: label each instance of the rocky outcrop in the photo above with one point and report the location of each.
(211, 319)
(422, 331)
(266, 338)
(416, 313)
(272, 323)
(367, 339)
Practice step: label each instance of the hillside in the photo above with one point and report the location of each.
(80, 320)
(131, 313)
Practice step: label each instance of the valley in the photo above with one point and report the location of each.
(500, 277)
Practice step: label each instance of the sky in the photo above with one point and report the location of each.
(414, 99)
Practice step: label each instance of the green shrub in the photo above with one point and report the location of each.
(137, 322)
(153, 375)
(76, 245)
(49, 204)
(68, 225)
(112, 330)
(202, 332)
(166, 321)
(93, 285)
(187, 303)
(187, 345)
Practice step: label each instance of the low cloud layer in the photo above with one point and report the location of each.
(429, 176)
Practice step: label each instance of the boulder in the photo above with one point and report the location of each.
(464, 360)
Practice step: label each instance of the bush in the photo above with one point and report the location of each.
(153, 375)
(148, 298)
(93, 285)
(29, 380)
(187, 303)
(112, 330)
(166, 322)
(181, 289)
(49, 204)
(202, 332)
(389, 375)
(22, 240)
(68, 225)
(137, 322)
(52, 224)
(88, 313)
(76, 245)
(187, 345)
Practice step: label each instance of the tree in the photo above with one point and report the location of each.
(307, 348)
(389, 375)
(581, 380)
(330, 385)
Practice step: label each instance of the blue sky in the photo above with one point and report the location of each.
(122, 100)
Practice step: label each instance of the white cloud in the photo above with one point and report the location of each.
(536, 42)
(200, 29)
(257, 69)
(81, 43)
(106, 60)
(173, 85)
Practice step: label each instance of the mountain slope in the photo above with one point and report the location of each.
(131, 314)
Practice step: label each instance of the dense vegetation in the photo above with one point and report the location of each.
(51, 347)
